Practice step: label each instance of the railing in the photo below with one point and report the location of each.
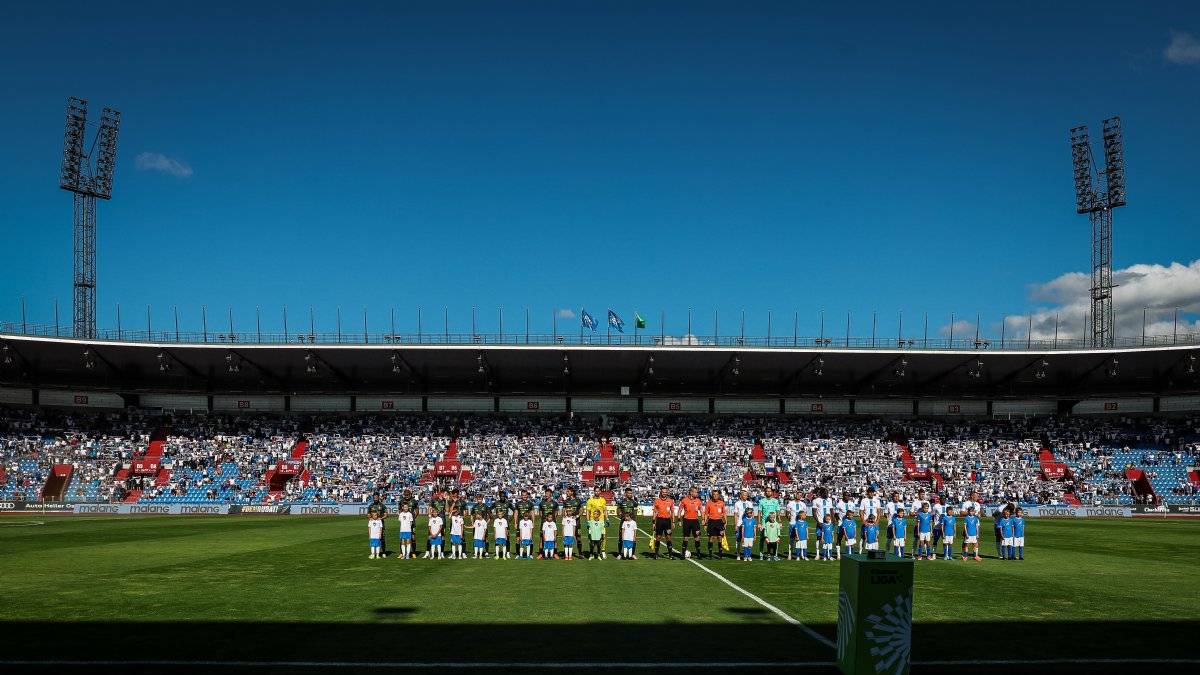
(642, 338)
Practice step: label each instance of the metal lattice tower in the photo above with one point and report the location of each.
(87, 182)
(1097, 194)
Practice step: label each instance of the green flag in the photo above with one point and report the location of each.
(638, 321)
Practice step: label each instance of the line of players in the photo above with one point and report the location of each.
(840, 525)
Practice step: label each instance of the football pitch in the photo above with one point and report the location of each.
(225, 593)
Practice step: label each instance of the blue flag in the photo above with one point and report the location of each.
(586, 320)
(615, 321)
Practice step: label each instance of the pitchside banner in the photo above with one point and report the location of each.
(42, 507)
(151, 509)
(1079, 512)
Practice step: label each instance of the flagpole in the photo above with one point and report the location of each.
(636, 339)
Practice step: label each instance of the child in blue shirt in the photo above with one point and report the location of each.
(1006, 535)
(1018, 522)
(849, 533)
(801, 538)
(825, 532)
(924, 533)
(871, 534)
(899, 529)
(971, 533)
(948, 522)
(749, 532)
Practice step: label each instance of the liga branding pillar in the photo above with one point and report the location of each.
(874, 633)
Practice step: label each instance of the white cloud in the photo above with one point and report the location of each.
(564, 314)
(962, 329)
(688, 339)
(153, 161)
(1160, 289)
(1184, 49)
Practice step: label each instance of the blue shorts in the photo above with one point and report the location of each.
(627, 544)
(435, 541)
(794, 532)
(502, 542)
(527, 542)
(456, 539)
(548, 545)
(568, 541)
(376, 542)
(406, 536)
(477, 542)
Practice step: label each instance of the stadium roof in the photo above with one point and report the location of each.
(575, 369)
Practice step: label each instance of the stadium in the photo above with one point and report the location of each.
(617, 491)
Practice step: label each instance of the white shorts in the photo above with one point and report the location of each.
(1018, 541)
(827, 547)
(747, 542)
(850, 542)
(803, 543)
(897, 542)
(873, 546)
(948, 540)
(971, 539)
(1007, 541)
(924, 536)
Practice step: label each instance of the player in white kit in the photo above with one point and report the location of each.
(525, 530)
(406, 533)
(457, 526)
(628, 536)
(568, 532)
(479, 537)
(435, 537)
(500, 530)
(375, 533)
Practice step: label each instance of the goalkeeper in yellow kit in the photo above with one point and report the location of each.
(596, 512)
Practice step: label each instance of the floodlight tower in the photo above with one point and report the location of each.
(88, 176)
(1097, 194)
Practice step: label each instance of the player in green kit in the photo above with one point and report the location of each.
(595, 529)
(767, 505)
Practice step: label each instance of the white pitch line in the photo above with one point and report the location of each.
(506, 665)
(1058, 662)
(778, 612)
(565, 665)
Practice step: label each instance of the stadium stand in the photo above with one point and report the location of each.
(133, 456)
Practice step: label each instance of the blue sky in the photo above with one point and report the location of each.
(559, 155)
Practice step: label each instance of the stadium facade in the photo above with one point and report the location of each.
(476, 375)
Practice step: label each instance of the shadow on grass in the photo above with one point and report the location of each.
(394, 611)
(405, 645)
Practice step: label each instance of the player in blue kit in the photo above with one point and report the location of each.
(748, 532)
(948, 522)
(1018, 522)
(849, 530)
(924, 533)
(970, 533)
(825, 532)
(899, 530)
(1005, 550)
(870, 534)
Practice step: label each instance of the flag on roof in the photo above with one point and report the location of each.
(615, 321)
(586, 320)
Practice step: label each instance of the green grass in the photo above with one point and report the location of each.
(81, 587)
